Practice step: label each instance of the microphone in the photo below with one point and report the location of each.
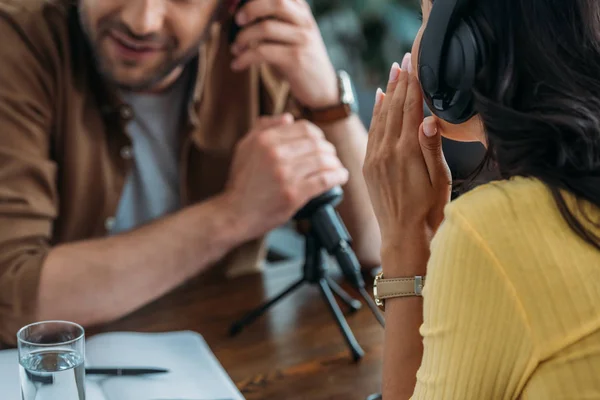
(332, 233)
(323, 229)
(329, 229)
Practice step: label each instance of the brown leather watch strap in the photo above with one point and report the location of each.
(328, 115)
(337, 112)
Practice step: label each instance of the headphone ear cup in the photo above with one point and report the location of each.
(456, 74)
(460, 67)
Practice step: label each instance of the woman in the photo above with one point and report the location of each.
(511, 301)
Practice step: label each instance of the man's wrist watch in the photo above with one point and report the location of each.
(396, 287)
(345, 108)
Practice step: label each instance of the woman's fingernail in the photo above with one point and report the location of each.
(410, 66)
(378, 96)
(395, 72)
(406, 62)
(429, 127)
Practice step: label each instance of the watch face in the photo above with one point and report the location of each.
(346, 89)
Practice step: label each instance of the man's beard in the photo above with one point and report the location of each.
(165, 69)
(171, 62)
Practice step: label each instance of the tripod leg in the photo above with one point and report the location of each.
(372, 306)
(357, 351)
(354, 304)
(237, 327)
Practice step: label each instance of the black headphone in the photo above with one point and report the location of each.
(450, 56)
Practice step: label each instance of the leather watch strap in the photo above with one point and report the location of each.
(387, 288)
(328, 115)
(396, 287)
(339, 111)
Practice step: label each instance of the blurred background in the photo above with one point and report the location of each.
(365, 37)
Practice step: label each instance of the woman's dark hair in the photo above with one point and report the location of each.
(538, 96)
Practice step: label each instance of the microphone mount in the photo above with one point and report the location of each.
(325, 231)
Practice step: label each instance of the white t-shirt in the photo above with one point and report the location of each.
(152, 186)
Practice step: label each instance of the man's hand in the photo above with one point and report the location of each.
(277, 168)
(285, 35)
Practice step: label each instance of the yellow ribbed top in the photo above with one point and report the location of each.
(512, 301)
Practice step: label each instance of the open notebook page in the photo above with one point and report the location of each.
(195, 373)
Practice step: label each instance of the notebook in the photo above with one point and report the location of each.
(195, 373)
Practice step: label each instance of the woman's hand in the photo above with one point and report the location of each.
(407, 175)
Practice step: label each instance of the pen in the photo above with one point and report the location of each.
(124, 371)
(47, 378)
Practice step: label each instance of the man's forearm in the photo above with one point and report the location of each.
(350, 139)
(100, 280)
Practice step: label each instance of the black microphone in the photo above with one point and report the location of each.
(332, 233)
(329, 229)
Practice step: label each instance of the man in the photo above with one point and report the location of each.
(132, 155)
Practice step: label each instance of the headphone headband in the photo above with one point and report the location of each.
(443, 17)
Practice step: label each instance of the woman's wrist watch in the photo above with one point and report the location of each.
(396, 287)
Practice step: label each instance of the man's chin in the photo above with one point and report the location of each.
(147, 79)
(153, 76)
(137, 83)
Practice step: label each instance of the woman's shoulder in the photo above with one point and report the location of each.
(501, 197)
(518, 216)
(507, 203)
(508, 215)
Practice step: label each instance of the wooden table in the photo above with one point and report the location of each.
(293, 352)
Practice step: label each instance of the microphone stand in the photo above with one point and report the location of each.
(327, 232)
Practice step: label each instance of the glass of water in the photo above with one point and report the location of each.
(51, 358)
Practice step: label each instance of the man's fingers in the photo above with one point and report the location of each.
(290, 11)
(321, 182)
(302, 147)
(266, 122)
(277, 55)
(268, 31)
(290, 138)
(310, 164)
(300, 130)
